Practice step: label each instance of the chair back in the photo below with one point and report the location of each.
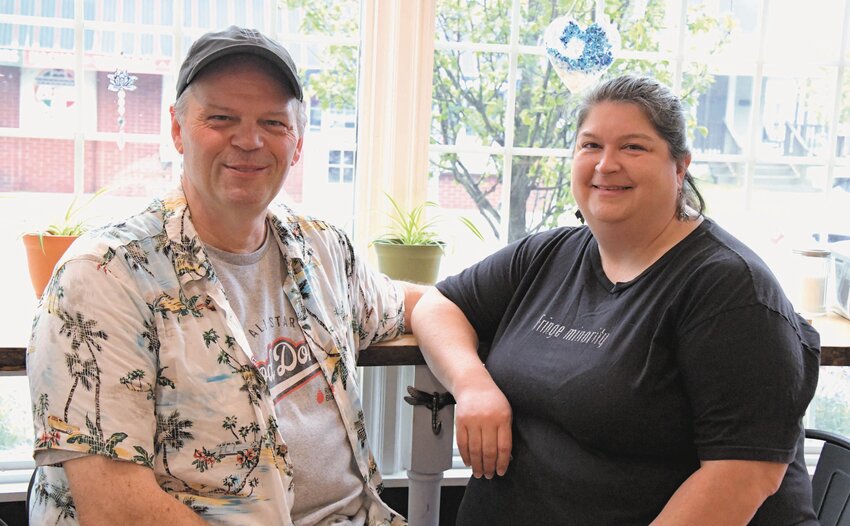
(831, 481)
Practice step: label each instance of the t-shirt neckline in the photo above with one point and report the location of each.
(614, 288)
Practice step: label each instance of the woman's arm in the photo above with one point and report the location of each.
(412, 294)
(725, 492)
(483, 414)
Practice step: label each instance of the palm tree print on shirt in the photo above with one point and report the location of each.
(58, 495)
(82, 331)
(253, 382)
(171, 433)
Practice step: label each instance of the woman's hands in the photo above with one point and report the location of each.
(482, 414)
(483, 420)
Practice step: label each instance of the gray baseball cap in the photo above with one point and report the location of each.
(234, 40)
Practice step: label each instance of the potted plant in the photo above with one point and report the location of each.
(411, 250)
(45, 247)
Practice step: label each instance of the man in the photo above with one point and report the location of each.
(195, 364)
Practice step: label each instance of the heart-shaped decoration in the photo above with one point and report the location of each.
(580, 56)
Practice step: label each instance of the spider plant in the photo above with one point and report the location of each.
(414, 228)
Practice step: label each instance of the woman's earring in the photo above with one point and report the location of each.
(681, 206)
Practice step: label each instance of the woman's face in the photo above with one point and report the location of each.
(622, 168)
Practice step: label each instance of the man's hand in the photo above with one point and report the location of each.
(483, 419)
(108, 492)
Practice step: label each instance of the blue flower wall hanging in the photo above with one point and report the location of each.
(580, 56)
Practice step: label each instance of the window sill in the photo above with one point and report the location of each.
(451, 477)
(13, 484)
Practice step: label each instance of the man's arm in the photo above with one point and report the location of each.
(412, 293)
(722, 492)
(483, 414)
(108, 492)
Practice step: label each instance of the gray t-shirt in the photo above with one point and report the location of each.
(328, 489)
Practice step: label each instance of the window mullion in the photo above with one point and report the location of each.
(752, 146)
(836, 109)
(510, 111)
(79, 89)
(679, 58)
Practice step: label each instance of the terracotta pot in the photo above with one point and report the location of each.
(412, 263)
(42, 256)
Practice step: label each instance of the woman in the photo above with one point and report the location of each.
(645, 368)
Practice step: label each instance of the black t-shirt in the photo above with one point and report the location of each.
(619, 390)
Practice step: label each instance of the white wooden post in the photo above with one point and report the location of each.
(430, 454)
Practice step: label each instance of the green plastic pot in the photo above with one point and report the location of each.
(412, 263)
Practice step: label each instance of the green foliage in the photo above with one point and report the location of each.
(832, 414)
(335, 84)
(71, 224)
(15, 417)
(414, 228)
(470, 87)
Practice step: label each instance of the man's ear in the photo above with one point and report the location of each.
(176, 136)
(297, 156)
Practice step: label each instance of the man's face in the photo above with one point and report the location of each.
(238, 137)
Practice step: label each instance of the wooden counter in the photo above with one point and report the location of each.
(834, 331)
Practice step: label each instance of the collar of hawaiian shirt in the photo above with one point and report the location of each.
(191, 260)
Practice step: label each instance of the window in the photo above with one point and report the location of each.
(340, 166)
(64, 130)
(770, 116)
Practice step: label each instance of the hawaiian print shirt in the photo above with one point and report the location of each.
(137, 355)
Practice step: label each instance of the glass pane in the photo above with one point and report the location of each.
(842, 147)
(485, 21)
(660, 70)
(469, 183)
(790, 177)
(349, 158)
(836, 223)
(329, 74)
(36, 165)
(335, 18)
(333, 174)
(725, 30)
(136, 52)
(830, 409)
(457, 189)
(48, 103)
(789, 210)
(333, 157)
(650, 26)
(16, 431)
(138, 12)
(642, 27)
(143, 107)
(136, 170)
(348, 175)
(721, 107)
(540, 195)
(39, 39)
(718, 176)
(722, 187)
(535, 16)
(796, 112)
(804, 36)
(207, 15)
(545, 108)
(469, 98)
